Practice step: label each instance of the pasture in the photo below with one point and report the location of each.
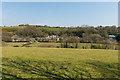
(35, 62)
(58, 45)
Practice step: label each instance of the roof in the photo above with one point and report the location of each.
(111, 35)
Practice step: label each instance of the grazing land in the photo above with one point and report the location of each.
(36, 62)
(58, 45)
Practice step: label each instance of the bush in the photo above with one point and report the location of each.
(27, 46)
(15, 46)
(118, 37)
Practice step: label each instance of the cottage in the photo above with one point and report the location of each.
(16, 38)
(111, 36)
(52, 38)
(57, 39)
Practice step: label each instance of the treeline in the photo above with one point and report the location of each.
(87, 34)
(90, 46)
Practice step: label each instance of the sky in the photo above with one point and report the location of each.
(60, 13)
(60, 0)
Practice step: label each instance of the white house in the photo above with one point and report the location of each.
(53, 37)
(111, 36)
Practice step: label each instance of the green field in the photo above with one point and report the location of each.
(35, 62)
(58, 45)
(11, 44)
(43, 43)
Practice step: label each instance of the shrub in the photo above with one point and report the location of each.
(15, 46)
(27, 46)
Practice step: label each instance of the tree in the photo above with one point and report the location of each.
(92, 38)
(30, 32)
(21, 25)
(6, 36)
(118, 37)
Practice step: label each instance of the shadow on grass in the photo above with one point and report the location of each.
(19, 68)
(106, 70)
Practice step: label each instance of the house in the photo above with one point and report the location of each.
(16, 38)
(57, 39)
(112, 37)
(52, 38)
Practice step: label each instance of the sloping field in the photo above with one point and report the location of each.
(35, 62)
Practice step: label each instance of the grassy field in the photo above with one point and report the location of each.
(38, 44)
(15, 43)
(35, 62)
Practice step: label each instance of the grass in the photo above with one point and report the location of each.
(50, 28)
(35, 62)
(15, 43)
(80, 45)
(43, 43)
(59, 44)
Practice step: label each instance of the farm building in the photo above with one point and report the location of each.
(111, 36)
(16, 38)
